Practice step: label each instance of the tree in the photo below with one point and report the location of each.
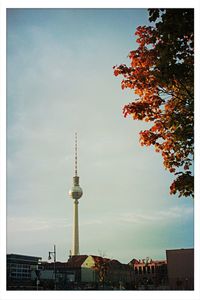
(161, 74)
(101, 266)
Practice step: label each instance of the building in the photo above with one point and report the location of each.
(85, 272)
(149, 274)
(109, 273)
(180, 265)
(104, 273)
(74, 266)
(19, 269)
(64, 275)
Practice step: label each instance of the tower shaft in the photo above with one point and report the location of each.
(75, 241)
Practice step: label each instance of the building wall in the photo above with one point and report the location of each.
(44, 275)
(180, 264)
(88, 275)
(19, 269)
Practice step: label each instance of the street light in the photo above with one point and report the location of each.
(54, 256)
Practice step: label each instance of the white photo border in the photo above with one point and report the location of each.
(4, 294)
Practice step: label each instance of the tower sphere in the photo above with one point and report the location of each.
(75, 192)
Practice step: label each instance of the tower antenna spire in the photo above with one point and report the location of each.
(76, 154)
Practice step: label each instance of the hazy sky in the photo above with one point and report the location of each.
(60, 81)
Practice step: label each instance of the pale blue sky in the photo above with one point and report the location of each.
(60, 80)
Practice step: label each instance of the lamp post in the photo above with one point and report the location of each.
(54, 256)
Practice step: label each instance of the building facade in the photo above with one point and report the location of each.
(106, 273)
(95, 272)
(149, 274)
(180, 265)
(85, 272)
(19, 268)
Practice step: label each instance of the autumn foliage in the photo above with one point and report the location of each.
(101, 266)
(161, 74)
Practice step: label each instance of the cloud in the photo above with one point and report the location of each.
(30, 224)
(154, 217)
(145, 218)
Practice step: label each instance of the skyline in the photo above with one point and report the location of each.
(125, 185)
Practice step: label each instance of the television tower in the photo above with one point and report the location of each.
(75, 193)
